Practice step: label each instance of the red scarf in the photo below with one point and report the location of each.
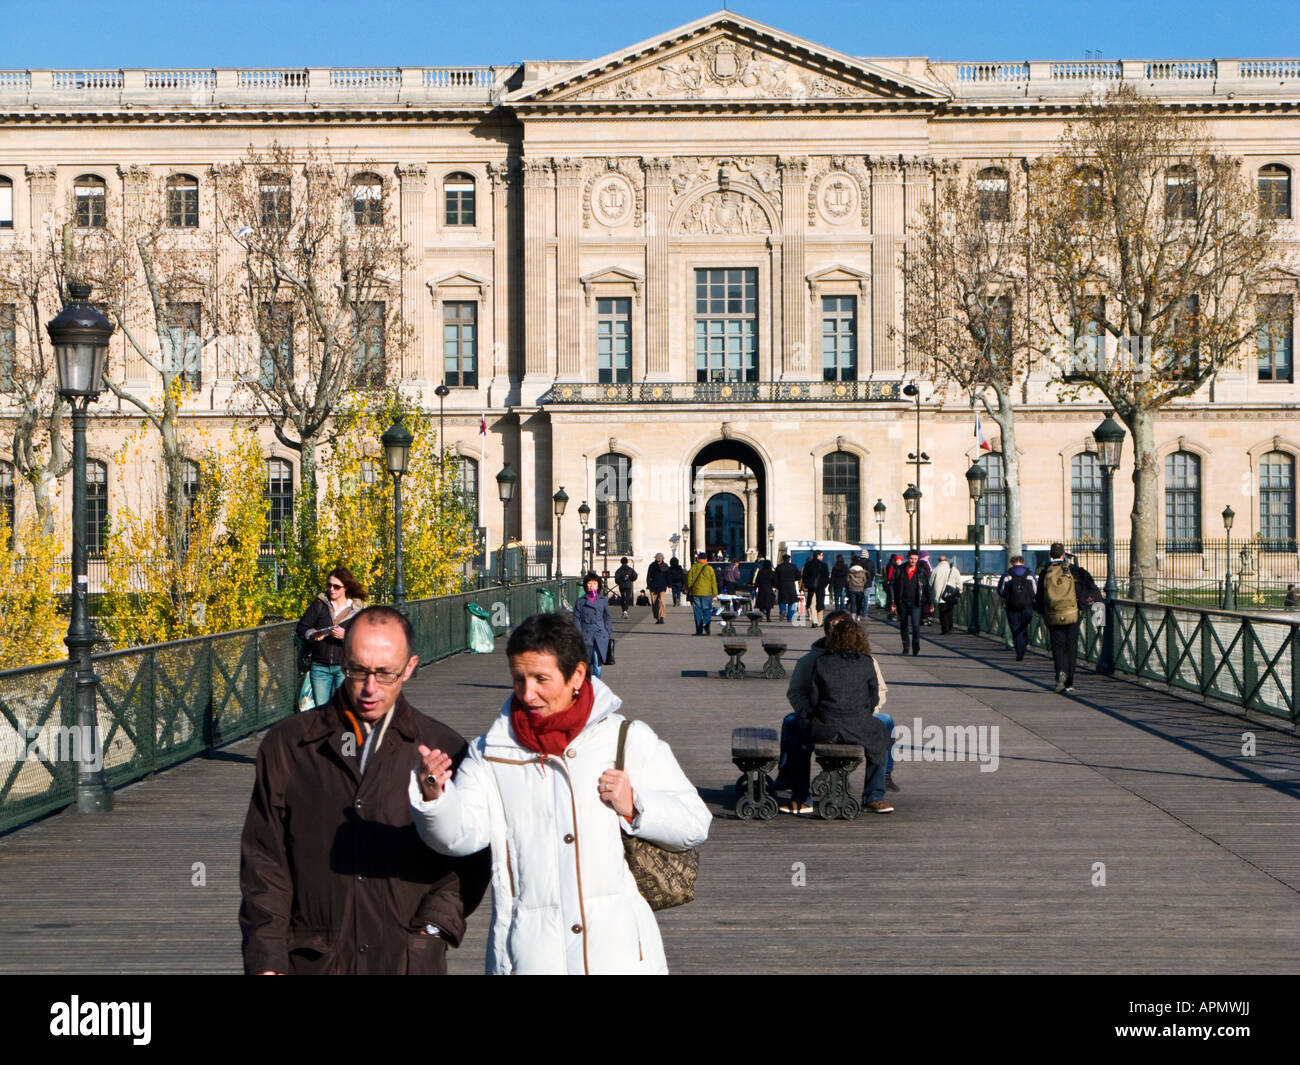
(554, 732)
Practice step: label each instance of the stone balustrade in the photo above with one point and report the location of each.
(1159, 77)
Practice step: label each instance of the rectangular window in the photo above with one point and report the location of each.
(277, 346)
(89, 196)
(1183, 353)
(1086, 492)
(183, 203)
(279, 496)
(96, 507)
(726, 325)
(6, 204)
(186, 349)
(1275, 338)
(839, 338)
(1089, 353)
(1182, 502)
(8, 346)
(614, 340)
(1277, 502)
(460, 343)
(459, 193)
(370, 360)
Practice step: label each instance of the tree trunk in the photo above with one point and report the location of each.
(307, 489)
(1005, 418)
(1142, 537)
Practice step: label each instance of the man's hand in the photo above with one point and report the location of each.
(435, 771)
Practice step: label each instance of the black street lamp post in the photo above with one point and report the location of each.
(1110, 445)
(584, 516)
(912, 504)
(507, 480)
(771, 542)
(1229, 595)
(879, 510)
(397, 442)
(976, 477)
(561, 500)
(442, 392)
(79, 335)
(686, 541)
(917, 458)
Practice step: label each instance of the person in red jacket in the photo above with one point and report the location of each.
(911, 593)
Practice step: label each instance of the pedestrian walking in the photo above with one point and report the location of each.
(676, 579)
(839, 582)
(1291, 598)
(731, 577)
(625, 580)
(322, 628)
(911, 592)
(814, 578)
(1065, 591)
(656, 579)
(701, 587)
(765, 588)
(945, 590)
(927, 611)
(856, 582)
(591, 616)
(1018, 588)
(787, 588)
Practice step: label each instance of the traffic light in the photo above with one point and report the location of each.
(602, 543)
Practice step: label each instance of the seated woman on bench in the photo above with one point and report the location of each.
(841, 697)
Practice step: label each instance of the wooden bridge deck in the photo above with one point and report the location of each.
(974, 872)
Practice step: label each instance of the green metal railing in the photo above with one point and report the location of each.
(1247, 660)
(163, 703)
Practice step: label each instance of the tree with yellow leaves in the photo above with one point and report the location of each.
(31, 626)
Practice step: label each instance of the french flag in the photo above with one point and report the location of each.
(979, 434)
(482, 425)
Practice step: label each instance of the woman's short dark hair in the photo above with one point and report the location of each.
(848, 636)
(552, 634)
(592, 576)
(354, 588)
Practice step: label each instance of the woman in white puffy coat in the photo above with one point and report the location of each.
(539, 787)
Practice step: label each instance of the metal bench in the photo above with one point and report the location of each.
(772, 668)
(832, 796)
(735, 668)
(755, 752)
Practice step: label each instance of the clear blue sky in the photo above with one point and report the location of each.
(211, 33)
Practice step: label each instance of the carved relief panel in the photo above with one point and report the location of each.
(839, 193)
(612, 193)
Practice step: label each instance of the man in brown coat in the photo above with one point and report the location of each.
(333, 875)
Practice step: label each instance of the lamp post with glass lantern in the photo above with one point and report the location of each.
(879, 510)
(397, 442)
(507, 480)
(686, 541)
(561, 500)
(1109, 436)
(771, 542)
(912, 504)
(584, 516)
(917, 458)
(976, 477)
(79, 335)
(1229, 598)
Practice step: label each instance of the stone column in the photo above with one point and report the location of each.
(40, 190)
(537, 184)
(416, 360)
(505, 352)
(229, 263)
(568, 309)
(886, 232)
(917, 188)
(657, 341)
(794, 221)
(751, 516)
(136, 180)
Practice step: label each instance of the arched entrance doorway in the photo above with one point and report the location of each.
(729, 509)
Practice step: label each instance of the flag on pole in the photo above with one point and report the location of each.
(979, 434)
(482, 424)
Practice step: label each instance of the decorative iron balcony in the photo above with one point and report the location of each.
(874, 391)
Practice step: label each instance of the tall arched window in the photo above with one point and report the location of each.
(467, 486)
(1277, 501)
(1182, 502)
(1180, 192)
(368, 200)
(182, 202)
(88, 193)
(6, 203)
(840, 497)
(279, 496)
(96, 507)
(7, 499)
(614, 501)
(991, 510)
(1086, 497)
(993, 195)
(1274, 191)
(458, 193)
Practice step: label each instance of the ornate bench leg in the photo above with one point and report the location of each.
(735, 667)
(831, 788)
(754, 798)
(772, 669)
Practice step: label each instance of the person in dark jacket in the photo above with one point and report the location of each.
(676, 579)
(334, 878)
(1065, 636)
(891, 567)
(856, 583)
(591, 615)
(765, 588)
(787, 588)
(815, 577)
(625, 579)
(842, 697)
(839, 582)
(1018, 589)
(656, 581)
(322, 627)
(911, 593)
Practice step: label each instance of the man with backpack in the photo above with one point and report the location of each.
(1064, 592)
(625, 578)
(1019, 589)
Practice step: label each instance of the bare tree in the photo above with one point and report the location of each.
(319, 289)
(1150, 252)
(967, 301)
(29, 297)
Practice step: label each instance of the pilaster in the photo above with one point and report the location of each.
(537, 184)
(568, 224)
(657, 190)
(411, 178)
(794, 330)
(505, 346)
(886, 232)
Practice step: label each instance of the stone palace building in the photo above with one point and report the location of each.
(669, 278)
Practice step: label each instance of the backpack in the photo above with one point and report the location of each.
(1020, 592)
(1059, 597)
